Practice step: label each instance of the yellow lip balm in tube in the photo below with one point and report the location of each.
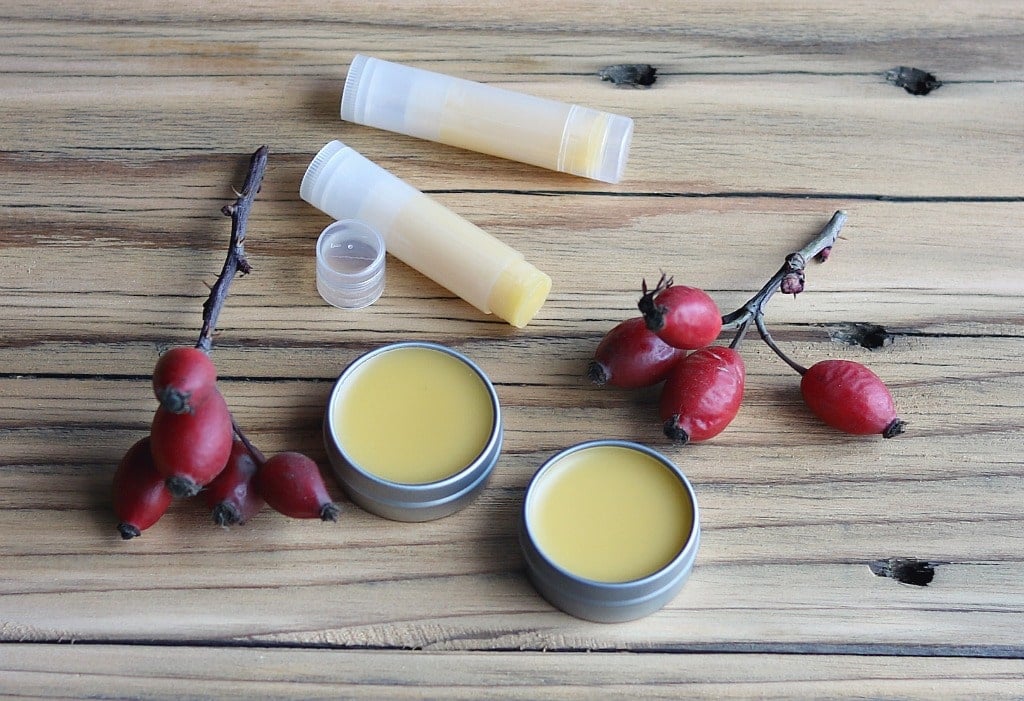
(458, 112)
(492, 276)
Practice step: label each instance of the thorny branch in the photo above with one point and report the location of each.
(236, 261)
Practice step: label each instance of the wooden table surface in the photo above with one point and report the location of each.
(125, 127)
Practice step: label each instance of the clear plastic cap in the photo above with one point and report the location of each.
(350, 264)
(615, 151)
(595, 144)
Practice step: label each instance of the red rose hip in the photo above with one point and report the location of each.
(632, 356)
(232, 496)
(183, 378)
(702, 394)
(683, 317)
(291, 484)
(191, 449)
(140, 496)
(850, 397)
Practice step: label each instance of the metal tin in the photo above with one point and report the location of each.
(403, 501)
(606, 602)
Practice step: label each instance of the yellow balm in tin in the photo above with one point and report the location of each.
(414, 415)
(413, 430)
(609, 530)
(610, 513)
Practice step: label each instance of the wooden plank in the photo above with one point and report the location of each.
(820, 120)
(153, 283)
(31, 671)
(972, 609)
(798, 135)
(793, 515)
(797, 21)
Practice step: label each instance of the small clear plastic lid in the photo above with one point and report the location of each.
(350, 264)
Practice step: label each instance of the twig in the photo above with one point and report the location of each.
(789, 279)
(794, 266)
(770, 342)
(236, 261)
(253, 450)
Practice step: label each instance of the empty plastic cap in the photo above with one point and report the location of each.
(350, 264)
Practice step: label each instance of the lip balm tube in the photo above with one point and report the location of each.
(499, 122)
(490, 275)
(413, 430)
(609, 530)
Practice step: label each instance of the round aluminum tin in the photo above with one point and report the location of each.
(411, 502)
(606, 602)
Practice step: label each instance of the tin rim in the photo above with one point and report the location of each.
(681, 561)
(446, 486)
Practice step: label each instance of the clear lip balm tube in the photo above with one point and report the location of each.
(546, 133)
(490, 275)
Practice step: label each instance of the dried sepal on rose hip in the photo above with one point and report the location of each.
(631, 356)
(140, 496)
(232, 496)
(291, 484)
(851, 398)
(683, 317)
(702, 394)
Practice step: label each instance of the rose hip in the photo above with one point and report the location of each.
(702, 394)
(140, 496)
(232, 495)
(850, 397)
(183, 378)
(631, 356)
(683, 317)
(191, 449)
(291, 483)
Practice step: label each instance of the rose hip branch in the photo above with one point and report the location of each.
(194, 445)
(703, 389)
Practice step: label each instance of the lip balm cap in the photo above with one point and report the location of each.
(350, 264)
(595, 144)
(394, 97)
(618, 137)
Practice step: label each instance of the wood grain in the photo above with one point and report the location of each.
(232, 673)
(126, 126)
